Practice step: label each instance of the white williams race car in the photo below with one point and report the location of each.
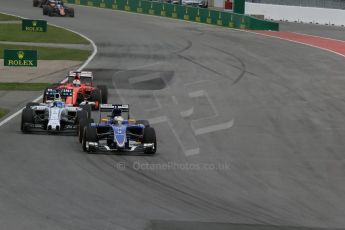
(53, 116)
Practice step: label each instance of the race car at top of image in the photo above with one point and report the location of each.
(113, 133)
(195, 3)
(54, 115)
(39, 3)
(84, 92)
(54, 8)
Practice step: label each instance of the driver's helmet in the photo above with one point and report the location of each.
(118, 120)
(77, 76)
(76, 82)
(57, 97)
(116, 112)
(58, 101)
(58, 104)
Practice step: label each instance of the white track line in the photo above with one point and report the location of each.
(316, 36)
(95, 50)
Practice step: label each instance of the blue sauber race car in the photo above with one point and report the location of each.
(115, 134)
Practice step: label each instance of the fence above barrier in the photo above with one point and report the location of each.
(193, 14)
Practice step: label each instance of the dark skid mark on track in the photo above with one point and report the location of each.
(242, 68)
(202, 66)
(134, 46)
(194, 199)
(189, 45)
(143, 79)
(193, 29)
(186, 225)
(104, 76)
(131, 55)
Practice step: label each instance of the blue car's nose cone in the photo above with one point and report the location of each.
(120, 135)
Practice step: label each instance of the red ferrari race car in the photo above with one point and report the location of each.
(84, 91)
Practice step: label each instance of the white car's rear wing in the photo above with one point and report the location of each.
(86, 74)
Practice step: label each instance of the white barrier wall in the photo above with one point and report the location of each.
(219, 3)
(298, 13)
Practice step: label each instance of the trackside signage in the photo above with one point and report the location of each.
(26, 58)
(34, 25)
(235, 19)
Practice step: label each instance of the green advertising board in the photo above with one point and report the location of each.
(27, 58)
(239, 6)
(34, 25)
(235, 19)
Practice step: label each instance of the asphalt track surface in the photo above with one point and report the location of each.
(269, 113)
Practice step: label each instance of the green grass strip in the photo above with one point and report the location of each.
(14, 33)
(48, 53)
(5, 17)
(3, 112)
(23, 86)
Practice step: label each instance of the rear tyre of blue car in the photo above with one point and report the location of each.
(82, 124)
(87, 108)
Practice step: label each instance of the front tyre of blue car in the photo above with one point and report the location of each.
(148, 139)
(89, 135)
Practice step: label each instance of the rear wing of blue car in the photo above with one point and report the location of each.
(115, 109)
(111, 107)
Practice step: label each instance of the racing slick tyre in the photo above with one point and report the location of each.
(150, 138)
(44, 100)
(89, 135)
(35, 3)
(80, 98)
(42, 3)
(88, 109)
(104, 93)
(45, 10)
(96, 97)
(71, 12)
(82, 124)
(49, 11)
(27, 117)
(28, 105)
(143, 122)
(81, 115)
